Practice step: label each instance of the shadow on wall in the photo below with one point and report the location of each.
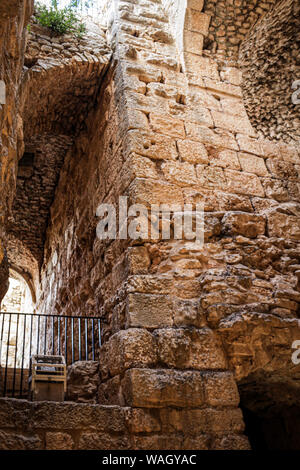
(275, 430)
(272, 415)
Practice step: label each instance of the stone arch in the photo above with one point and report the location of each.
(61, 82)
(22, 261)
(249, 36)
(59, 89)
(260, 353)
(268, 58)
(25, 279)
(214, 29)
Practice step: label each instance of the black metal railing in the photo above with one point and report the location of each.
(25, 334)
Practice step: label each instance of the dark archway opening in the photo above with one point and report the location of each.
(275, 430)
(271, 413)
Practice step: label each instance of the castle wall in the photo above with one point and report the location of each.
(183, 327)
(14, 16)
(270, 67)
(28, 425)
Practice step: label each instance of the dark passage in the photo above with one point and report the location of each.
(274, 428)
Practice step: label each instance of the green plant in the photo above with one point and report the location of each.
(60, 20)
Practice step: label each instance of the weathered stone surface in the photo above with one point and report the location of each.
(244, 183)
(230, 24)
(249, 225)
(160, 388)
(53, 426)
(110, 392)
(283, 225)
(267, 89)
(71, 416)
(253, 164)
(59, 441)
(130, 348)
(144, 421)
(231, 442)
(256, 343)
(190, 349)
(139, 260)
(13, 20)
(13, 441)
(164, 122)
(83, 381)
(94, 441)
(50, 63)
(39, 186)
(149, 311)
(192, 152)
(214, 382)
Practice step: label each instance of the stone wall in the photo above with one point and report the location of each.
(230, 23)
(183, 327)
(60, 84)
(72, 69)
(270, 62)
(210, 310)
(68, 426)
(177, 320)
(77, 275)
(14, 16)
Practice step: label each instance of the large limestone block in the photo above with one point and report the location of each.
(179, 173)
(195, 4)
(139, 260)
(143, 421)
(192, 152)
(253, 164)
(83, 381)
(158, 388)
(233, 123)
(59, 441)
(217, 137)
(167, 125)
(260, 343)
(201, 66)
(149, 192)
(149, 311)
(244, 183)
(225, 159)
(153, 145)
(14, 441)
(243, 223)
(197, 21)
(71, 416)
(220, 389)
(190, 349)
(89, 440)
(135, 347)
(283, 225)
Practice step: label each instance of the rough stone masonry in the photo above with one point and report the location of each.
(163, 103)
